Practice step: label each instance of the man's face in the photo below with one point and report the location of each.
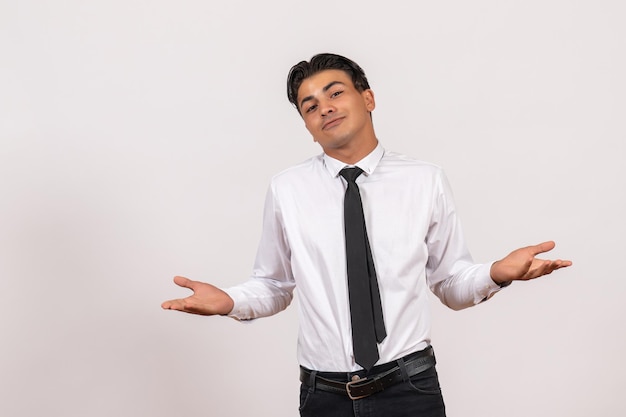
(334, 111)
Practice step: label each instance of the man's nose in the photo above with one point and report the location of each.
(327, 108)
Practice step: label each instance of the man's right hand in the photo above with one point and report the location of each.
(206, 300)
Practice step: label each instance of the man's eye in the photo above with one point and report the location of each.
(336, 93)
(312, 108)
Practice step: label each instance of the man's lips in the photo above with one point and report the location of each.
(331, 123)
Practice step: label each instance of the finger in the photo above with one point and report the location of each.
(184, 282)
(546, 267)
(172, 305)
(543, 247)
(558, 264)
(540, 267)
(184, 305)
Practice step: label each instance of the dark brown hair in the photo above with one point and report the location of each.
(320, 62)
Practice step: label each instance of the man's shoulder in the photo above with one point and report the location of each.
(297, 171)
(395, 160)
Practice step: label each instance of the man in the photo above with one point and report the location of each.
(364, 344)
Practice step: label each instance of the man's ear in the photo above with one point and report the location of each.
(370, 102)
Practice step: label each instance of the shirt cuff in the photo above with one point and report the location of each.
(241, 310)
(486, 287)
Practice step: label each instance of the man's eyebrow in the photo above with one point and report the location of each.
(325, 89)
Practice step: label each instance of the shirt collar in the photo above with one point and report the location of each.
(367, 164)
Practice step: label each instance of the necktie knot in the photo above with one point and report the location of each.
(351, 174)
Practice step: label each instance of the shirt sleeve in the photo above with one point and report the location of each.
(451, 273)
(270, 288)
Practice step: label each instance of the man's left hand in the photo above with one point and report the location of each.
(522, 264)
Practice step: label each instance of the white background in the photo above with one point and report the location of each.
(137, 139)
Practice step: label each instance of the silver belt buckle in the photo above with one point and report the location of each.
(350, 384)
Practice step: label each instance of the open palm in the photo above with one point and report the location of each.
(206, 300)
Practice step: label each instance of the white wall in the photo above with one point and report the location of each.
(137, 140)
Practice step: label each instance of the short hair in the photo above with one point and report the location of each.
(320, 62)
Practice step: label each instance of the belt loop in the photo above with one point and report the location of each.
(312, 381)
(402, 366)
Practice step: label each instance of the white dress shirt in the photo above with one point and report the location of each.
(415, 237)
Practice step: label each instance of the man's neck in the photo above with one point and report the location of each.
(351, 156)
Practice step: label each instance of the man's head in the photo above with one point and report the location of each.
(318, 63)
(333, 97)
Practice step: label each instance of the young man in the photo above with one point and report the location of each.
(361, 232)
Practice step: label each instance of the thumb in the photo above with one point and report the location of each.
(184, 282)
(543, 247)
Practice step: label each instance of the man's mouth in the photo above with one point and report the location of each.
(332, 123)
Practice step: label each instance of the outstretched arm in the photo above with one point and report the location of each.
(206, 300)
(522, 264)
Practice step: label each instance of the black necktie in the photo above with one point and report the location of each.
(366, 311)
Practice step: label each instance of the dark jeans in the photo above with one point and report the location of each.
(420, 396)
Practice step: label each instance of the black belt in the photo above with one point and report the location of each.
(383, 376)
